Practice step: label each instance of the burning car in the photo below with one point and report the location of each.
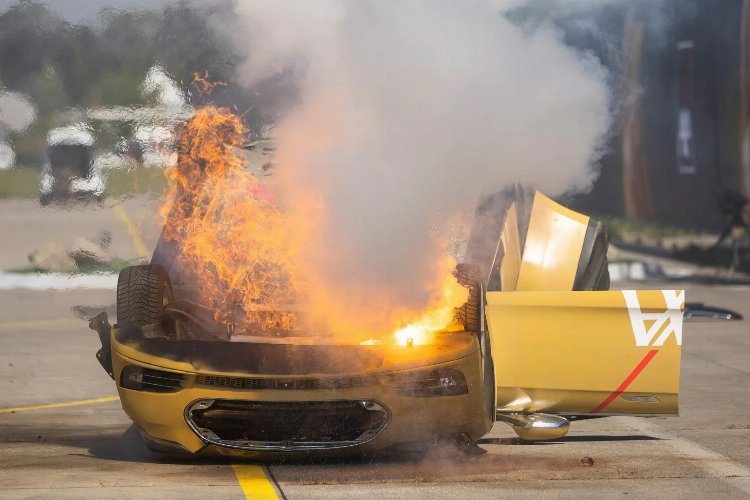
(207, 362)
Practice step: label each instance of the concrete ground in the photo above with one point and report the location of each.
(64, 435)
(90, 450)
(26, 226)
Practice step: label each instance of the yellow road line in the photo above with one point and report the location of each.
(60, 405)
(255, 482)
(135, 235)
(37, 322)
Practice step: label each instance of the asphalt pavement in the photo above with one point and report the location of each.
(63, 433)
(90, 450)
(26, 226)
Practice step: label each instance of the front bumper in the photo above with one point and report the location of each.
(388, 416)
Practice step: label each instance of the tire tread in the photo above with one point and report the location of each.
(140, 295)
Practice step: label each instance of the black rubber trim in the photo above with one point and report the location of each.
(245, 357)
(585, 258)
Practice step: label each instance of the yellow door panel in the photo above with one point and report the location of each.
(586, 352)
(553, 246)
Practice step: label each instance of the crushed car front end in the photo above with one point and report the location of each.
(243, 398)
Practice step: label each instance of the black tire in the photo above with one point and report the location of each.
(469, 314)
(595, 274)
(142, 293)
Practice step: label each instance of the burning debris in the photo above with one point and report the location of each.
(374, 161)
(243, 255)
(236, 247)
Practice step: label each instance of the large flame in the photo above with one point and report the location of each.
(243, 253)
(236, 245)
(440, 315)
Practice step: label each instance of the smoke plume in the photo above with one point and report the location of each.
(407, 113)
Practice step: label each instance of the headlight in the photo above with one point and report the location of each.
(443, 382)
(138, 378)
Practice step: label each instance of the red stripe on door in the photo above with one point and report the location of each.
(628, 380)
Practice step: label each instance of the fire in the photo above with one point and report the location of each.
(236, 246)
(440, 315)
(243, 253)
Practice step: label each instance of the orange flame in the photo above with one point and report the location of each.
(238, 247)
(440, 315)
(243, 253)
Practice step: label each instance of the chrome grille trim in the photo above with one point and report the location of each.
(291, 442)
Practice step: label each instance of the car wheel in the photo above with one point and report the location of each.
(142, 293)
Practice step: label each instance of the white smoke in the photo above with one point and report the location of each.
(408, 112)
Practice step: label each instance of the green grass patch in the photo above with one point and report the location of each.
(19, 183)
(617, 228)
(126, 182)
(23, 182)
(721, 257)
(113, 266)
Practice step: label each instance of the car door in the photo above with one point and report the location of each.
(559, 348)
(581, 353)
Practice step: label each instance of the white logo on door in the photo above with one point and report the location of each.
(646, 326)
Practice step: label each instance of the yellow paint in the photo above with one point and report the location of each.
(511, 262)
(60, 405)
(161, 415)
(254, 482)
(37, 322)
(563, 351)
(553, 246)
(135, 235)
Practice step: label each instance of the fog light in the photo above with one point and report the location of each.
(132, 378)
(138, 378)
(444, 382)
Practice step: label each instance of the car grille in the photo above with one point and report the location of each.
(292, 384)
(421, 383)
(287, 426)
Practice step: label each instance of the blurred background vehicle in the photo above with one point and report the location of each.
(70, 169)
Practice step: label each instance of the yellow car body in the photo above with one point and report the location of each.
(549, 352)
(577, 352)
(390, 380)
